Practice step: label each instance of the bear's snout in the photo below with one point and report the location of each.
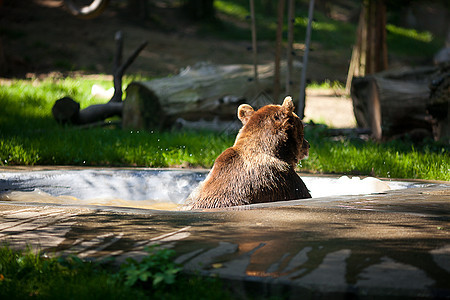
(305, 149)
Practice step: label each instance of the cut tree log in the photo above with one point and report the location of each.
(394, 102)
(205, 91)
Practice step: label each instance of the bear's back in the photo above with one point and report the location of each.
(239, 179)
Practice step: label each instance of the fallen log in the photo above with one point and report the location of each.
(394, 102)
(205, 91)
(66, 110)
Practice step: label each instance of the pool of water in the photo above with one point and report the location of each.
(151, 188)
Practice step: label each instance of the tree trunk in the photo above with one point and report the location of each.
(438, 105)
(278, 44)
(393, 102)
(289, 49)
(369, 53)
(205, 92)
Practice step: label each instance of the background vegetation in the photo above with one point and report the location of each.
(30, 136)
(328, 33)
(31, 274)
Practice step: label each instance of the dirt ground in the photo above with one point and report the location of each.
(324, 107)
(39, 38)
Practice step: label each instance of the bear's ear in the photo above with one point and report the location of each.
(245, 111)
(288, 104)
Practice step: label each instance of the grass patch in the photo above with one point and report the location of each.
(30, 136)
(327, 84)
(396, 159)
(27, 274)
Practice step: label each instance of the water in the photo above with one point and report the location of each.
(149, 188)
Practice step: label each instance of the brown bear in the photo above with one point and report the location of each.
(260, 167)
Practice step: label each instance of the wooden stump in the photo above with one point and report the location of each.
(67, 111)
(394, 102)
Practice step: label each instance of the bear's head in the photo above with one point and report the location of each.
(273, 129)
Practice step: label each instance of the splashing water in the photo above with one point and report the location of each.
(148, 188)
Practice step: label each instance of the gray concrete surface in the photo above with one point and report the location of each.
(390, 245)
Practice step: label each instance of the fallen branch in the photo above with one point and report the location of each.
(67, 110)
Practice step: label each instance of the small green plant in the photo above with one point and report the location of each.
(156, 267)
(30, 274)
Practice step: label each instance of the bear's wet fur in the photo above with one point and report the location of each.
(260, 167)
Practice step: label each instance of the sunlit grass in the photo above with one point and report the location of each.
(403, 41)
(316, 25)
(239, 11)
(389, 160)
(111, 146)
(424, 36)
(326, 84)
(30, 136)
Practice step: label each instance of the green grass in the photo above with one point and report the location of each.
(394, 159)
(327, 84)
(30, 136)
(25, 274)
